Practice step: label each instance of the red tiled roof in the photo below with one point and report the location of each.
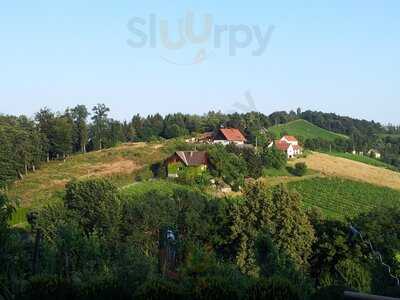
(281, 145)
(290, 138)
(193, 158)
(232, 134)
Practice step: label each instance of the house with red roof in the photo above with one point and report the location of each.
(288, 144)
(226, 136)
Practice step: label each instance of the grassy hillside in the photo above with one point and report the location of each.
(305, 130)
(364, 159)
(340, 198)
(120, 164)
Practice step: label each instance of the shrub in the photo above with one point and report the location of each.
(47, 287)
(357, 276)
(217, 287)
(159, 170)
(300, 169)
(274, 288)
(159, 288)
(144, 174)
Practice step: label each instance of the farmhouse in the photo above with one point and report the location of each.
(226, 136)
(289, 145)
(197, 160)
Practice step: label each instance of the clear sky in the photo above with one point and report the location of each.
(334, 56)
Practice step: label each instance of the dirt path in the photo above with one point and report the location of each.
(341, 167)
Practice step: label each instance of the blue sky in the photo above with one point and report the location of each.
(334, 56)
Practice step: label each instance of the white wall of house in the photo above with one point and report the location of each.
(290, 152)
(221, 142)
(225, 142)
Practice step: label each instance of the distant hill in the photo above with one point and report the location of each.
(305, 130)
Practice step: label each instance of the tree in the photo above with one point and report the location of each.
(100, 113)
(278, 212)
(273, 158)
(97, 204)
(230, 167)
(7, 256)
(44, 118)
(60, 136)
(79, 115)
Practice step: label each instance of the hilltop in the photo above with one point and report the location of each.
(305, 130)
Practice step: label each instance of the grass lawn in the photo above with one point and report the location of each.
(141, 188)
(275, 172)
(305, 130)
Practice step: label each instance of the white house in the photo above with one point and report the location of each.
(288, 144)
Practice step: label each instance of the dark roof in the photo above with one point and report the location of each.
(193, 158)
(232, 134)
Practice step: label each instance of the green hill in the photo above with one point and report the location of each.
(305, 130)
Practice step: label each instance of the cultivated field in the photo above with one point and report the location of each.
(339, 198)
(341, 167)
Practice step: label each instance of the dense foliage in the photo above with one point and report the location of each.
(105, 244)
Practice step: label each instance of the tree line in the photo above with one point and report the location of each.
(26, 143)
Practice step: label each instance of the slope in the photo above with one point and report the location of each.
(120, 164)
(305, 130)
(341, 167)
(340, 198)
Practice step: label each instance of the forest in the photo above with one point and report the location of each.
(103, 243)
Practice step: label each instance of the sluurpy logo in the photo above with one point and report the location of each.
(156, 32)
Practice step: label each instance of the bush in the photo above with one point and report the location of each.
(144, 174)
(49, 287)
(159, 170)
(218, 287)
(273, 158)
(300, 169)
(329, 293)
(274, 288)
(159, 288)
